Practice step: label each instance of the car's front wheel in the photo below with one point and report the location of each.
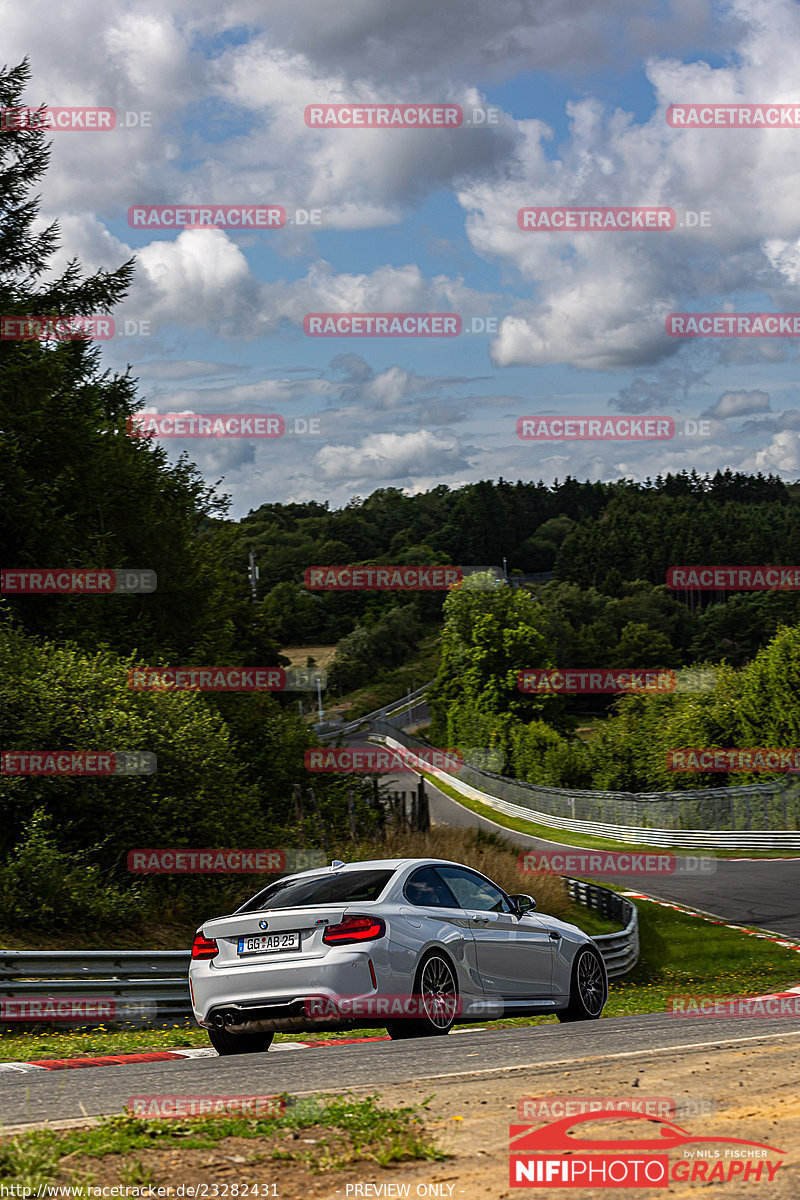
(239, 1043)
(436, 993)
(588, 988)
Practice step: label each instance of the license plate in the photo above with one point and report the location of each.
(268, 943)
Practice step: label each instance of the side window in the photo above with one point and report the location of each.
(473, 892)
(426, 888)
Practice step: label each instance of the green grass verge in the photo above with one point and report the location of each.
(680, 955)
(354, 1130)
(566, 838)
(683, 955)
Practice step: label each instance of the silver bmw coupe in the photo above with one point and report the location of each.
(410, 945)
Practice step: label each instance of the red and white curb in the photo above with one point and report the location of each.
(147, 1056)
(115, 1060)
(787, 943)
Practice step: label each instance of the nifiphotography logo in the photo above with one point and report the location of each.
(553, 1156)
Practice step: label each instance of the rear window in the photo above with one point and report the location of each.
(350, 887)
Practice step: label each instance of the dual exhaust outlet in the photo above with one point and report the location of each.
(222, 1020)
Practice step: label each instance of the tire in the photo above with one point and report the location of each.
(239, 1043)
(436, 980)
(588, 987)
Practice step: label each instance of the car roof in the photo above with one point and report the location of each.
(376, 864)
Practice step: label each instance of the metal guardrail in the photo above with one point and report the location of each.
(151, 988)
(379, 714)
(620, 950)
(724, 818)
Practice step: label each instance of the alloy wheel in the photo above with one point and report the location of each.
(591, 984)
(437, 987)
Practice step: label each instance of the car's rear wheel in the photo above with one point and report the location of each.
(239, 1043)
(436, 990)
(588, 988)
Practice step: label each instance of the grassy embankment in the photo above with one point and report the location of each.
(290, 1149)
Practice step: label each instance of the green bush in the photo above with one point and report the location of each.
(47, 888)
(59, 698)
(369, 650)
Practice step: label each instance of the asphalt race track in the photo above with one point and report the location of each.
(762, 892)
(59, 1095)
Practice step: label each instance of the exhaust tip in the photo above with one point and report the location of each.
(217, 1021)
(229, 1018)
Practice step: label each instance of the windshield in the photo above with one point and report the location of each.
(350, 887)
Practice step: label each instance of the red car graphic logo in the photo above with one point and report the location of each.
(527, 1139)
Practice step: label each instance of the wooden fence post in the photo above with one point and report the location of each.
(351, 815)
(423, 807)
(323, 837)
(298, 813)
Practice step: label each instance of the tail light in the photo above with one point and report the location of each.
(204, 947)
(354, 929)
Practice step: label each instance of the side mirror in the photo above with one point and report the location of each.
(523, 903)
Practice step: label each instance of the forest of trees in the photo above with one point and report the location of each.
(610, 542)
(490, 634)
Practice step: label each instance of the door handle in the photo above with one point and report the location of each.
(481, 920)
(555, 936)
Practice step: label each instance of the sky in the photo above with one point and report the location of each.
(564, 104)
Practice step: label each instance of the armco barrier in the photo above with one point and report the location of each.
(144, 977)
(757, 816)
(620, 950)
(379, 714)
(134, 977)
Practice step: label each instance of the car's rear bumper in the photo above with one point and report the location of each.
(281, 991)
(287, 1014)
